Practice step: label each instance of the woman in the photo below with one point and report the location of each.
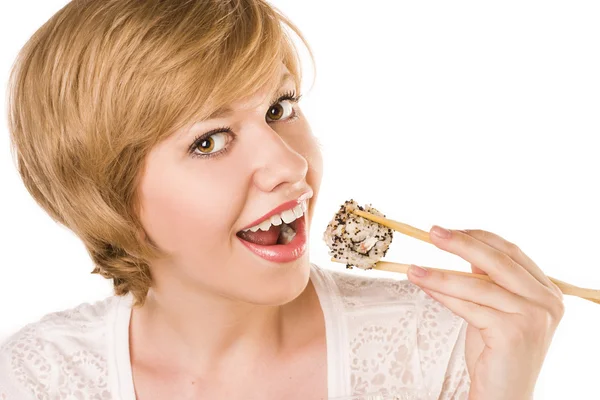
(159, 132)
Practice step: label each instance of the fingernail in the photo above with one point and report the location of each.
(417, 271)
(440, 232)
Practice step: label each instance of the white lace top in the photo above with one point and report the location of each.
(384, 336)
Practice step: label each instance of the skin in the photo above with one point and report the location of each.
(217, 314)
(511, 320)
(220, 322)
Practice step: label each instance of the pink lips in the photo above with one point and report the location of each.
(282, 253)
(285, 206)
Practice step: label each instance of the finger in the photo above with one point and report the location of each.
(471, 289)
(477, 315)
(502, 269)
(477, 270)
(514, 252)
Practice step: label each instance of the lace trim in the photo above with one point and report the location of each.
(337, 359)
(400, 339)
(385, 336)
(60, 356)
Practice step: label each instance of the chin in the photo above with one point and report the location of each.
(280, 285)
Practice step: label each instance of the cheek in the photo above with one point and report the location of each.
(314, 175)
(173, 218)
(309, 147)
(315, 162)
(302, 140)
(185, 213)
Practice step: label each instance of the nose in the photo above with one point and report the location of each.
(279, 164)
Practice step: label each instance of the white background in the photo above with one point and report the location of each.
(465, 114)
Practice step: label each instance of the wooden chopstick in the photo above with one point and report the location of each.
(568, 289)
(395, 225)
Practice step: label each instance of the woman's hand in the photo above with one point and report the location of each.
(511, 321)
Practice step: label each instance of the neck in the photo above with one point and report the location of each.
(203, 333)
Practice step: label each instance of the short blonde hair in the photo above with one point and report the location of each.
(103, 81)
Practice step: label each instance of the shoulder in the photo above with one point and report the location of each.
(407, 337)
(61, 351)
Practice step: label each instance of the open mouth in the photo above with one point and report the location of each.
(280, 234)
(276, 229)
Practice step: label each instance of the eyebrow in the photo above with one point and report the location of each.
(223, 111)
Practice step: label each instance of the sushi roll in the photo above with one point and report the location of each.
(355, 240)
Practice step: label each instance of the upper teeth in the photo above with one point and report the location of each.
(286, 216)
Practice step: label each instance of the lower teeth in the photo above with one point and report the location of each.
(286, 235)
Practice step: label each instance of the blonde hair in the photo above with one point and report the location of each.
(103, 81)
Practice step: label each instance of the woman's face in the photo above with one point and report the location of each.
(197, 194)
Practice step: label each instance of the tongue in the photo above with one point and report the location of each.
(268, 238)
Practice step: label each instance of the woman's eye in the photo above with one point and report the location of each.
(281, 111)
(211, 144)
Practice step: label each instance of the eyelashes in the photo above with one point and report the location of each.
(200, 139)
(192, 150)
